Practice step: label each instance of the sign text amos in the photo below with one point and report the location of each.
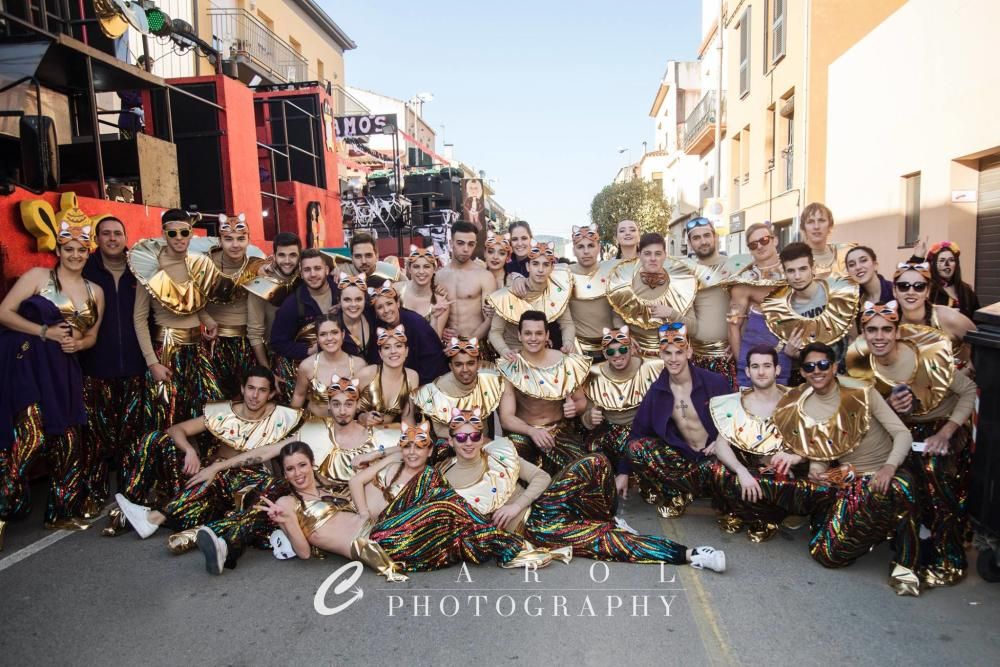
(360, 126)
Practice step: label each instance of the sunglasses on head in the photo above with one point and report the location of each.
(174, 233)
(762, 243)
(463, 438)
(822, 364)
(904, 286)
(611, 351)
(697, 222)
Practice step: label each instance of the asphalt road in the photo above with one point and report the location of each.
(83, 599)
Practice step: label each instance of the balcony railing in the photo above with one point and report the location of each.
(699, 127)
(240, 36)
(345, 104)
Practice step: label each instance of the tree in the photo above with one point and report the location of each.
(638, 200)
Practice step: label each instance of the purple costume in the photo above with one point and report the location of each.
(756, 333)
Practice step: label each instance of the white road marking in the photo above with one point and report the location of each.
(34, 548)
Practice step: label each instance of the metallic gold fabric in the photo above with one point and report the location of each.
(242, 434)
(745, 430)
(931, 377)
(313, 513)
(828, 327)
(553, 383)
(594, 286)
(272, 287)
(618, 395)
(232, 331)
(169, 339)
(720, 275)
(904, 581)
(81, 320)
(178, 298)
(536, 557)
(716, 348)
(332, 461)
(634, 310)
(437, 405)
(755, 276)
(372, 555)
(823, 440)
(836, 267)
(501, 468)
(317, 432)
(552, 301)
(374, 398)
(226, 287)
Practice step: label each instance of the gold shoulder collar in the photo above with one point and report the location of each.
(272, 288)
(836, 267)
(246, 434)
(720, 275)
(828, 327)
(620, 395)
(499, 480)
(226, 288)
(679, 294)
(384, 270)
(756, 277)
(823, 440)
(932, 374)
(743, 429)
(552, 301)
(553, 383)
(595, 286)
(178, 298)
(437, 405)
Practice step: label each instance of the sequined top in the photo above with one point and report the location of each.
(317, 392)
(313, 513)
(80, 319)
(374, 398)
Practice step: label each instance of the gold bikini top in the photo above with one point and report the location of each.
(184, 298)
(373, 398)
(80, 319)
(242, 434)
(743, 429)
(552, 301)
(553, 383)
(227, 286)
(401, 290)
(501, 470)
(594, 286)
(828, 439)
(317, 392)
(312, 513)
(437, 405)
(932, 374)
(828, 327)
(609, 393)
(381, 482)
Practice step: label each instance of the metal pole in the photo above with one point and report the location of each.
(95, 128)
(718, 109)
(170, 114)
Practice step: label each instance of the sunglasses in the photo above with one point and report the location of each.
(671, 326)
(904, 286)
(762, 243)
(823, 365)
(697, 222)
(174, 233)
(610, 352)
(463, 438)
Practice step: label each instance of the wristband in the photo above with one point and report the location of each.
(45, 330)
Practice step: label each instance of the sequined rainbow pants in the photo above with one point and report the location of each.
(184, 395)
(231, 357)
(610, 440)
(578, 510)
(250, 527)
(943, 483)
(158, 462)
(778, 497)
(568, 447)
(429, 526)
(64, 456)
(677, 480)
(725, 366)
(284, 374)
(113, 420)
(860, 518)
(227, 492)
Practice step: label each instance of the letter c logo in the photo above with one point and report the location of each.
(319, 600)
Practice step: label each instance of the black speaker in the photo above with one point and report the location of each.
(381, 186)
(419, 184)
(39, 153)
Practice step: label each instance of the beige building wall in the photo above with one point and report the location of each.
(917, 94)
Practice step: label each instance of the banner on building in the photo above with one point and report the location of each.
(362, 126)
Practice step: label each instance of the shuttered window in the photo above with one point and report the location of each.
(778, 31)
(987, 255)
(745, 53)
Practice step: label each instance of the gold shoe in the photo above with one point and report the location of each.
(730, 523)
(670, 511)
(68, 523)
(761, 531)
(538, 557)
(116, 524)
(316, 552)
(944, 574)
(92, 508)
(905, 581)
(182, 541)
(794, 521)
(371, 554)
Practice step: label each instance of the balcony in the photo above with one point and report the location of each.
(253, 48)
(345, 104)
(699, 128)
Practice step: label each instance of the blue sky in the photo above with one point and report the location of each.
(540, 95)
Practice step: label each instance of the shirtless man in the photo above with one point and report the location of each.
(711, 304)
(667, 452)
(543, 391)
(467, 284)
(589, 304)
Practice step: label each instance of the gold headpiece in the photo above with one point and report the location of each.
(469, 346)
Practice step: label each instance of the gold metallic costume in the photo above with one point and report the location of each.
(611, 394)
(552, 301)
(178, 298)
(243, 434)
(437, 405)
(828, 327)
(634, 310)
(743, 429)
(823, 440)
(553, 383)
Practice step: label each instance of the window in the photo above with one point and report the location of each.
(745, 154)
(294, 43)
(320, 71)
(734, 159)
(745, 53)
(911, 213)
(783, 232)
(769, 142)
(788, 119)
(778, 31)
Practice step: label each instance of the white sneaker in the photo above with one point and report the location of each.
(137, 516)
(622, 525)
(214, 549)
(708, 558)
(281, 545)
